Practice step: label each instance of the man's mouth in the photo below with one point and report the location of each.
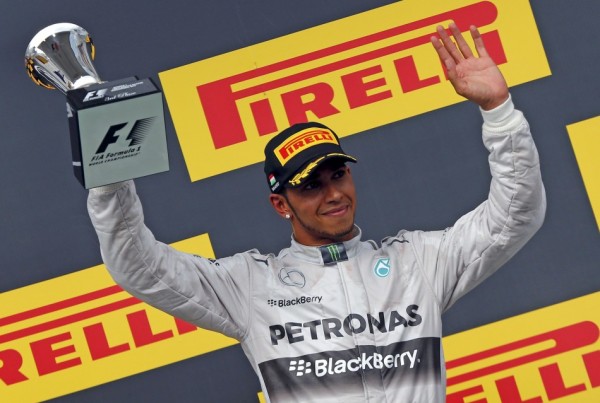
(337, 212)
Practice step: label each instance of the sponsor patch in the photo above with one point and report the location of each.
(382, 267)
(403, 364)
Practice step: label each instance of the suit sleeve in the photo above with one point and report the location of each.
(212, 294)
(461, 257)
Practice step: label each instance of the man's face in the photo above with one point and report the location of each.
(322, 209)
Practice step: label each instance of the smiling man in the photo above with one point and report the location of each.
(305, 168)
(333, 318)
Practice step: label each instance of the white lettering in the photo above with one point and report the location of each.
(389, 361)
(320, 368)
(126, 86)
(377, 361)
(340, 367)
(413, 358)
(354, 365)
(365, 362)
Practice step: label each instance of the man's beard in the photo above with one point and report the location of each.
(334, 236)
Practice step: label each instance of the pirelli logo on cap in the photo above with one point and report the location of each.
(353, 74)
(301, 141)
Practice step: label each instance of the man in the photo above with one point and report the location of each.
(332, 318)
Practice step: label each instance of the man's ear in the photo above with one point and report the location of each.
(280, 204)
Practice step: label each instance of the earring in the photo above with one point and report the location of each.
(288, 216)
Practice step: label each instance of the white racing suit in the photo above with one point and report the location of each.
(347, 322)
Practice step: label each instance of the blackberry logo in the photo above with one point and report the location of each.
(362, 362)
(301, 367)
(295, 301)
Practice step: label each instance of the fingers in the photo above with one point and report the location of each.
(442, 52)
(478, 41)
(459, 48)
(448, 45)
(460, 41)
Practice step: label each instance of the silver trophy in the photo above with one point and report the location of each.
(60, 57)
(117, 127)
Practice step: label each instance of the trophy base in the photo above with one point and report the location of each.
(117, 131)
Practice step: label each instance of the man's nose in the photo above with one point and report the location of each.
(332, 192)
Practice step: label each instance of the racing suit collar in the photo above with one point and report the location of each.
(327, 254)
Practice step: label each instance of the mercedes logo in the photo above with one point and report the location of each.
(292, 277)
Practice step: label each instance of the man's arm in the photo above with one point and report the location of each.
(209, 294)
(483, 240)
(458, 259)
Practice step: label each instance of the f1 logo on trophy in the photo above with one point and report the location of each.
(117, 128)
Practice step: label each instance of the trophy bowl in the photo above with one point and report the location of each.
(60, 57)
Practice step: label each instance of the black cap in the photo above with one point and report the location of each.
(293, 154)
